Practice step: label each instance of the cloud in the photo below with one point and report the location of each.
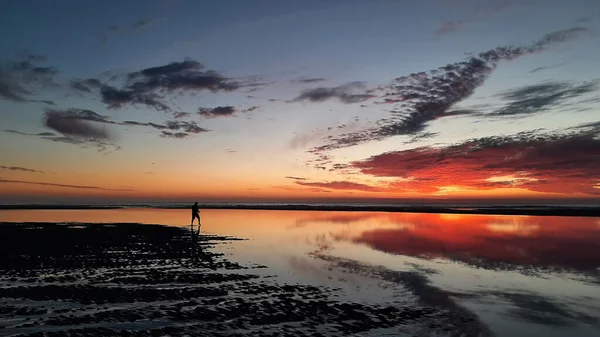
(220, 111)
(479, 14)
(124, 30)
(424, 96)
(20, 79)
(181, 114)
(41, 134)
(295, 178)
(76, 123)
(568, 163)
(309, 80)
(190, 127)
(140, 25)
(85, 85)
(6, 181)
(117, 98)
(150, 86)
(177, 135)
(556, 65)
(450, 26)
(103, 147)
(539, 97)
(187, 126)
(353, 92)
(17, 168)
(250, 109)
(340, 185)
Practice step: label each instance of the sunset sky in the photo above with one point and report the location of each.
(174, 100)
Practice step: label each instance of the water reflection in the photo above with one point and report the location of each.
(482, 240)
(519, 274)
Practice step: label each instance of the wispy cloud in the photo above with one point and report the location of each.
(306, 80)
(295, 178)
(478, 14)
(18, 168)
(353, 92)
(340, 185)
(127, 29)
(7, 181)
(538, 69)
(424, 96)
(19, 80)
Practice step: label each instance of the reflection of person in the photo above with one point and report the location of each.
(195, 215)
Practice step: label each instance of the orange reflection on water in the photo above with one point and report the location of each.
(565, 242)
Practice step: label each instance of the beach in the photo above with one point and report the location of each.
(296, 273)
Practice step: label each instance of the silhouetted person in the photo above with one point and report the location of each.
(195, 215)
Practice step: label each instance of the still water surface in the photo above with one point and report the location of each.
(521, 275)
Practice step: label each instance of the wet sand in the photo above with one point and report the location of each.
(80, 279)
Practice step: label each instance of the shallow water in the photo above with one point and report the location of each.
(520, 275)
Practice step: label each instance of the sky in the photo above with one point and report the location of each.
(176, 100)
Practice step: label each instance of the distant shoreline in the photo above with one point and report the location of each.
(591, 211)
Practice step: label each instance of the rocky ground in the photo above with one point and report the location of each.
(76, 279)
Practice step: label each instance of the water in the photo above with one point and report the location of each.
(520, 275)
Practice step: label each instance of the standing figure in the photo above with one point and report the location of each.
(195, 215)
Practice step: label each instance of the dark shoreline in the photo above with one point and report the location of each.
(591, 211)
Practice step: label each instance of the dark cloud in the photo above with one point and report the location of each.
(6, 181)
(41, 134)
(539, 97)
(295, 178)
(150, 86)
(187, 126)
(18, 168)
(535, 70)
(181, 114)
(77, 123)
(140, 25)
(220, 111)
(177, 135)
(568, 163)
(488, 10)
(85, 85)
(19, 80)
(116, 98)
(124, 30)
(353, 92)
(340, 185)
(250, 109)
(424, 96)
(309, 80)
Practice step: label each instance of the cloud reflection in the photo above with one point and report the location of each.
(492, 242)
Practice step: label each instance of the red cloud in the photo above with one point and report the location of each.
(551, 164)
